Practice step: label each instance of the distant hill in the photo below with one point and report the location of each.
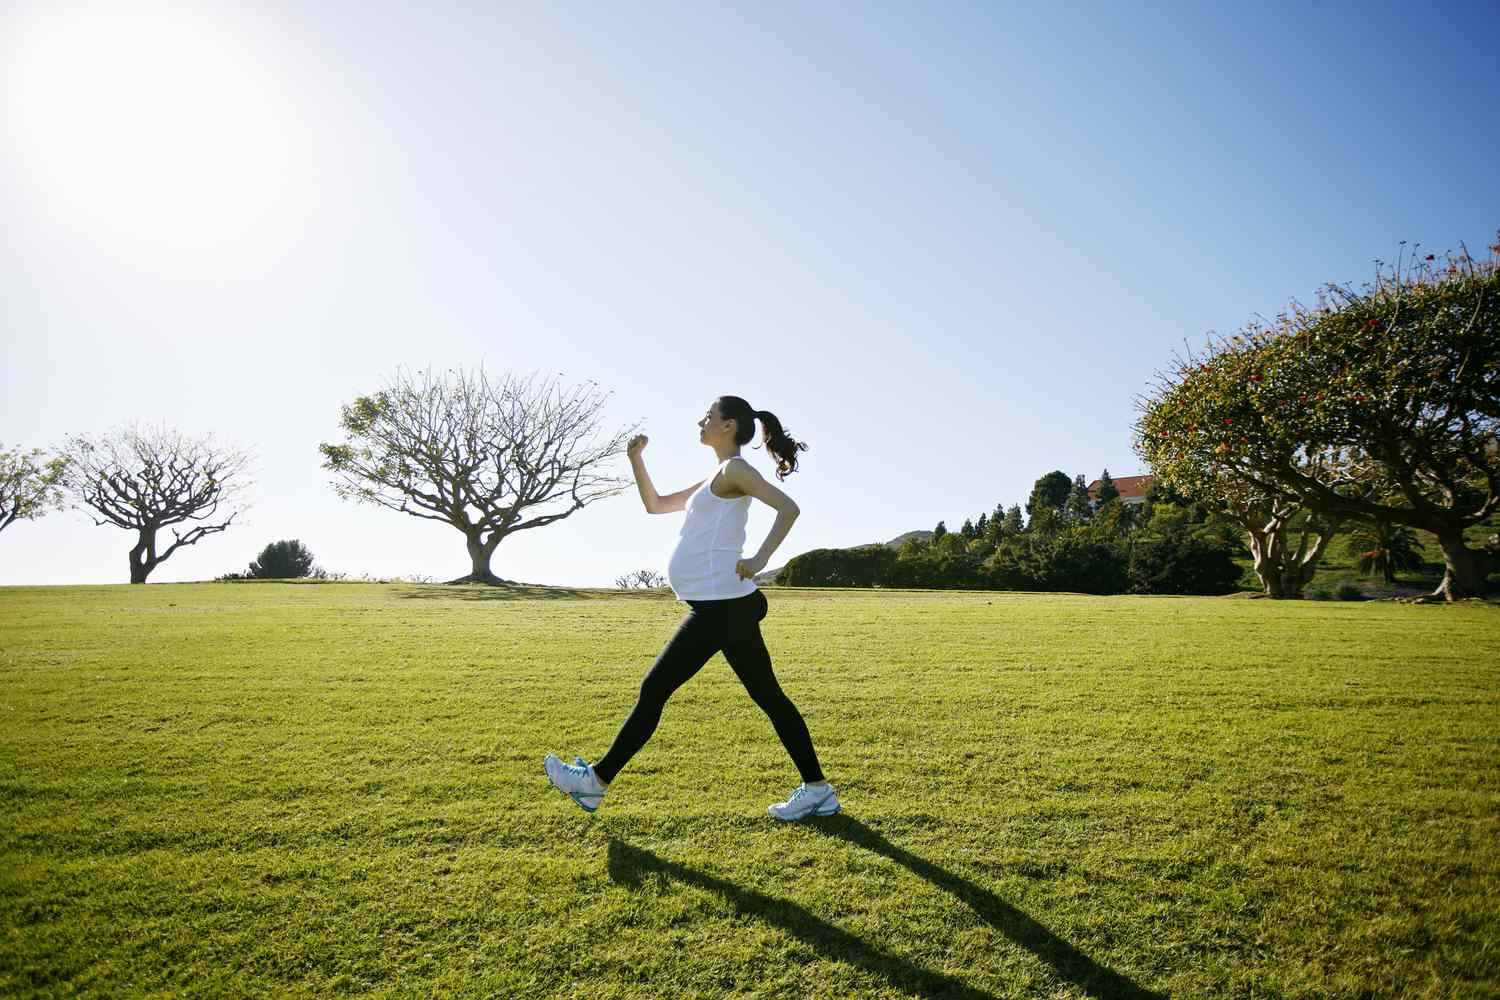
(769, 575)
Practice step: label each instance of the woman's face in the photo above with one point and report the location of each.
(712, 428)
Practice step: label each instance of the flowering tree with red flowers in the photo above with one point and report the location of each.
(1382, 403)
(1195, 448)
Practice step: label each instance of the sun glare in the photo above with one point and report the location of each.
(157, 129)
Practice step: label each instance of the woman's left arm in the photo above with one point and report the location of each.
(747, 479)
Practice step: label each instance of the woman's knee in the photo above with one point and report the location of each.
(771, 698)
(655, 691)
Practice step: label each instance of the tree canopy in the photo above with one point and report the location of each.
(30, 485)
(1049, 493)
(287, 559)
(1382, 403)
(145, 479)
(476, 454)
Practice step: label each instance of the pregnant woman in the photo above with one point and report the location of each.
(707, 572)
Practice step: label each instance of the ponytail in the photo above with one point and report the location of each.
(778, 442)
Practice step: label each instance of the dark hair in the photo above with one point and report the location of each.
(778, 442)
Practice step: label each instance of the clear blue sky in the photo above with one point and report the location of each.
(946, 244)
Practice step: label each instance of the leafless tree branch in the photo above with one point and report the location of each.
(144, 479)
(484, 455)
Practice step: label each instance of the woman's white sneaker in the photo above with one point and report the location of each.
(806, 800)
(577, 781)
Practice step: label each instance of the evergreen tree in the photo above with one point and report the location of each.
(1111, 520)
(913, 547)
(967, 532)
(284, 560)
(1013, 522)
(1050, 492)
(939, 531)
(981, 526)
(1045, 520)
(950, 543)
(1107, 489)
(1078, 509)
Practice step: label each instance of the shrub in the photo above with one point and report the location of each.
(1070, 561)
(1183, 564)
(1086, 566)
(937, 570)
(1349, 592)
(284, 560)
(867, 566)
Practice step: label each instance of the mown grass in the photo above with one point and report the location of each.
(273, 789)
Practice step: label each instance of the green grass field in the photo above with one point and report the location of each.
(310, 790)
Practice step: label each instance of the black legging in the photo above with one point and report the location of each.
(731, 625)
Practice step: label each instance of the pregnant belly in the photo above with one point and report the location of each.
(715, 566)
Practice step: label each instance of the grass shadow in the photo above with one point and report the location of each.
(629, 865)
(1067, 961)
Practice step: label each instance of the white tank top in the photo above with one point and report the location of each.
(711, 541)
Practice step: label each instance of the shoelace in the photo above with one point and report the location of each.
(578, 771)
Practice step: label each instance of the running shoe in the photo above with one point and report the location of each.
(806, 801)
(577, 781)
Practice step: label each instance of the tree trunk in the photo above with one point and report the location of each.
(1262, 544)
(479, 559)
(1284, 575)
(143, 557)
(1466, 568)
(1304, 564)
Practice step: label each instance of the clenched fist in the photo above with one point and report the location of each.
(636, 445)
(747, 568)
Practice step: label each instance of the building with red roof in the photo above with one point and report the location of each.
(1132, 489)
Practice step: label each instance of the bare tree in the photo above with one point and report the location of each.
(640, 579)
(30, 485)
(148, 479)
(475, 454)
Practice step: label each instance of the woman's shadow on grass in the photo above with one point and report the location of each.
(628, 865)
(1067, 961)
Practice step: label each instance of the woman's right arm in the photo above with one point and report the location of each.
(655, 502)
(676, 501)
